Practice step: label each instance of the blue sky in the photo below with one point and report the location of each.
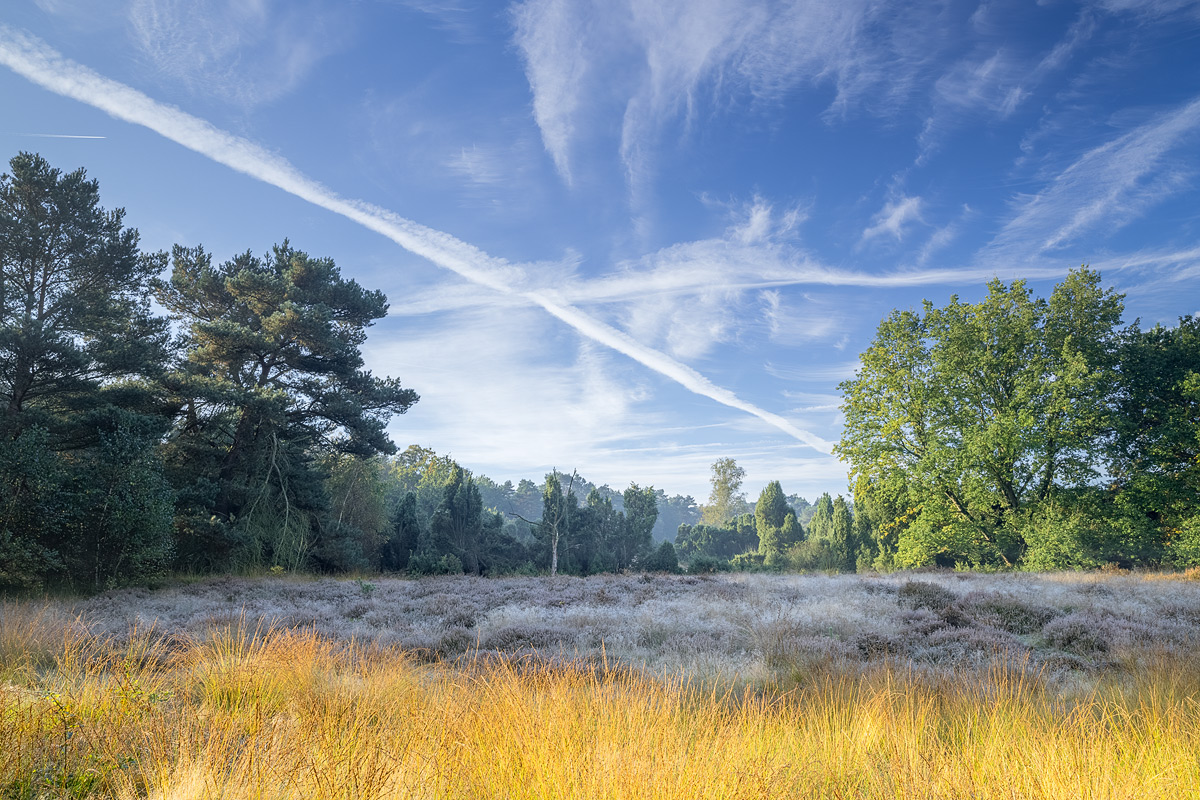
(632, 237)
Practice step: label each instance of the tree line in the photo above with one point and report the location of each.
(164, 412)
(776, 533)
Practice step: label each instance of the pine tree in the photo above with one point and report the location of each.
(273, 376)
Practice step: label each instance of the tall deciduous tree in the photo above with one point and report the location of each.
(558, 513)
(1155, 452)
(641, 513)
(726, 500)
(273, 375)
(972, 415)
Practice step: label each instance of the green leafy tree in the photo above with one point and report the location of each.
(594, 534)
(726, 500)
(775, 522)
(273, 377)
(975, 414)
(641, 514)
(559, 511)
(422, 471)
(117, 525)
(662, 559)
(726, 542)
(1154, 455)
(356, 525)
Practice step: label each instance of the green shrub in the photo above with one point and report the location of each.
(662, 560)
(747, 562)
(707, 565)
(425, 563)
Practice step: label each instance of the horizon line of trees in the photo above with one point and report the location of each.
(240, 431)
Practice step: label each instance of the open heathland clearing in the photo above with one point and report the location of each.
(916, 685)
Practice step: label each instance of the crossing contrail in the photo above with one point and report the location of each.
(34, 60)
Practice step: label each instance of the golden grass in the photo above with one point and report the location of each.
(258, 714)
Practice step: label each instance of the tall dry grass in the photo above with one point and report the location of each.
(248, 712)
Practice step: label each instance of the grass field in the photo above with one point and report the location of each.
(939, 685)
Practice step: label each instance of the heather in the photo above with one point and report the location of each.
(938, 685)
(747, 625)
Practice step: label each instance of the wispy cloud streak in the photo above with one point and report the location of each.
(43, 66)
(1107, 187)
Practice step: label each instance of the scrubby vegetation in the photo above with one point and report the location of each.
(930, 685)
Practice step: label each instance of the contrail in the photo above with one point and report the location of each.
(58, 135)
(34, 60)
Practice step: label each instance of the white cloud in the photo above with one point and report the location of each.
(455, 17)
(1104, 189)
(792, 324)
(654, 61)
(548, 33)
(536, 403)
(815, 373)
(894, 217)
(481, 166)
(244, 51)
(38, 63)
(991, 83)
(1151, 8)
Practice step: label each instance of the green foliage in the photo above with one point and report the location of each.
(810, 555)
(352, 534)
(662, 559)
(457, 525)
(726, 500)
(1184, 546)
(600, 538)
(820, 527)
(738, 536)
(82, 497)
(641, 513)
(423, 472)
(707, 565)
(1155, 452)
(119, 528)
(747, 562)
(273, 378)
(427, 562)
(558, 512)
(775, 522)
(965, 419)
(75, 324)
(404, 535)
(841, 536)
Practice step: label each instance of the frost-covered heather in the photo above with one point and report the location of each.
(730, 625)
